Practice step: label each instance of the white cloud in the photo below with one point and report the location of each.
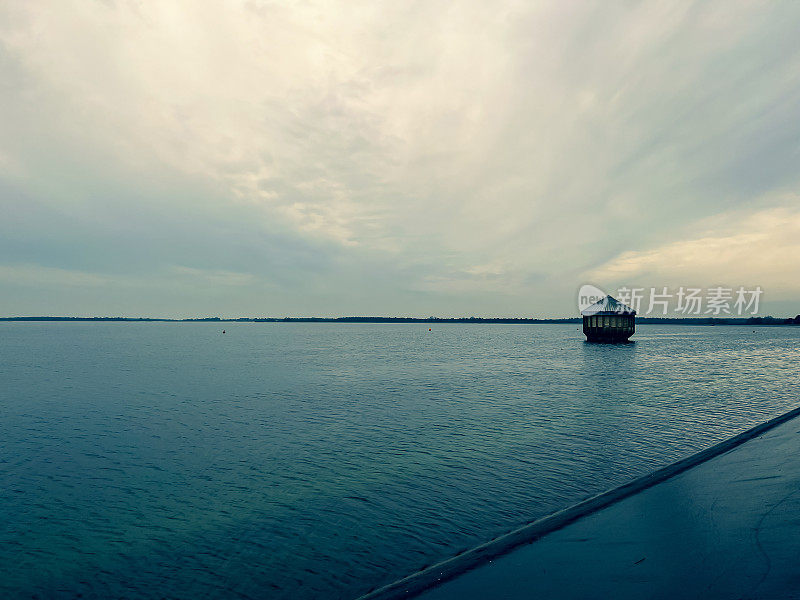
(214, 276)
(470, 146)
(760, 247)
(48, 276)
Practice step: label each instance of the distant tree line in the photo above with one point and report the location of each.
(505, 320)
(720, 321)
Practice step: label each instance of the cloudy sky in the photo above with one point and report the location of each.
(249, 158)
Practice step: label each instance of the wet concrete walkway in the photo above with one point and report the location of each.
(728, 527)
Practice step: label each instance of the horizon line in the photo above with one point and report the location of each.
(751, 320)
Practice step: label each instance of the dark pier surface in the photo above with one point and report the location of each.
(724, 523)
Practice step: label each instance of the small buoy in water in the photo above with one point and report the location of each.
(223, 331)
(429, 328)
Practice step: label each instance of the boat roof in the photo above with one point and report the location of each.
(608, 306)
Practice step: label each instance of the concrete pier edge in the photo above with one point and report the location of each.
(459, 564)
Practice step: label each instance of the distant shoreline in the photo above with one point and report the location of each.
(500, 320)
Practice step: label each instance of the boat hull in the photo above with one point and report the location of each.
(609, 329)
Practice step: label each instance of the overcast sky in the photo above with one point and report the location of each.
(185, 158)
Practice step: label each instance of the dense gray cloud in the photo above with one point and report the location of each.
(258, 158)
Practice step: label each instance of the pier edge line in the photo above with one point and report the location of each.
(448, 569)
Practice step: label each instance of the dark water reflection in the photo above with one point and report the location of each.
(303, 461)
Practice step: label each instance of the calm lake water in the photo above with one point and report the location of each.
(150, 460)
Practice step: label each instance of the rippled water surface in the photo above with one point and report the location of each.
(284, 460)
